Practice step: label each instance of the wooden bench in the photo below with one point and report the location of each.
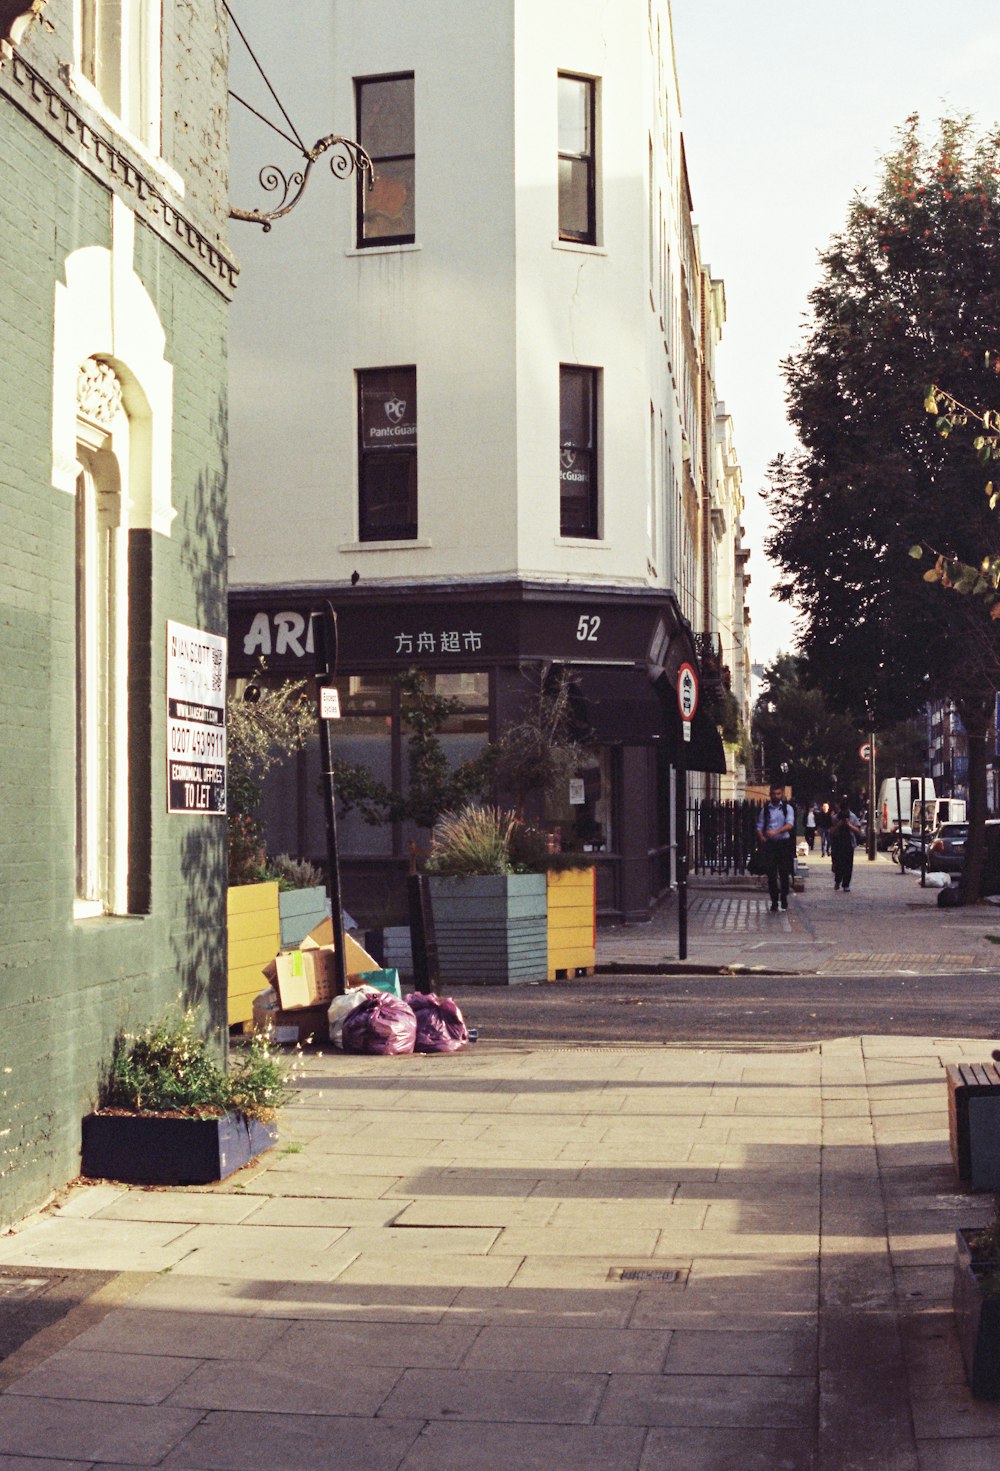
(974, 1123)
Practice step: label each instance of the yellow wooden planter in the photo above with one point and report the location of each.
(254, 940)
(572, 922)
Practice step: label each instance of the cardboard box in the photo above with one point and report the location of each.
(356, 958)
(305, 1024)
(303, 977)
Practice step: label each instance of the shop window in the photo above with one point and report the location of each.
(387, 458)
(386, 213)
(120, 57)
(578, 461)
(577, 166)
(581, 815)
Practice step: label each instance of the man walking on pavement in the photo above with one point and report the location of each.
(844, 832)
(776, 834)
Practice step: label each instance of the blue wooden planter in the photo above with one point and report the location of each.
(490, 929)
(145, 1149)
(977, 1321)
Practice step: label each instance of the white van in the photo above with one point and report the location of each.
(896, 797)
(934, 811)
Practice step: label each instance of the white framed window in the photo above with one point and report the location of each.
(102, 645)
(119, 51)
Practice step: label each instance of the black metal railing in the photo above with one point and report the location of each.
(722, 834)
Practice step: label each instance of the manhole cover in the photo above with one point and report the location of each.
(643, 1274)
(18, 1288)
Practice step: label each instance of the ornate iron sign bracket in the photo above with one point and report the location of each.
(348, 158)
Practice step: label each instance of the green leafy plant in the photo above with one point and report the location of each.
(473, 840)
(168, 1068)
(260, 732)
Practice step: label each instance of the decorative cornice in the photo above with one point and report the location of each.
(111, 166)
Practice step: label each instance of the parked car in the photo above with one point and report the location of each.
(946, 854)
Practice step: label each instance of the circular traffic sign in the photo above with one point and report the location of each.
(865, 751)
(687, 691)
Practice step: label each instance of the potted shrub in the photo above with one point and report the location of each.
(489, 921)
(169, 1114)
(976, 1300)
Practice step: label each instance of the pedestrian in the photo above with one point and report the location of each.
(776, 835)
(810, 825)
(823, 820)
(844, 830)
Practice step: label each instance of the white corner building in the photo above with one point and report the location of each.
(473, 405)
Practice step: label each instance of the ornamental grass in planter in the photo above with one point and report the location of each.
(169, 1114)
(976, 1300)
(489, 922)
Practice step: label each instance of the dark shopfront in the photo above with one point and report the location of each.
(486, 646)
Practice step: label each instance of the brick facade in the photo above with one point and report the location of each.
(67, 984)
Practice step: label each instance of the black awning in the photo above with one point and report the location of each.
(617, 706)
(705, 751)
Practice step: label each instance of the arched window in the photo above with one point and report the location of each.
(102, 735)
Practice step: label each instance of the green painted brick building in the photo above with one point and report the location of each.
(115, 280)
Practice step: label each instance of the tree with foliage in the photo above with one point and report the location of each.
(909, 295)
(805, 745)
(264, 724)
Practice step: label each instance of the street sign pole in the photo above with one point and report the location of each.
(325, 621)
(687, 704)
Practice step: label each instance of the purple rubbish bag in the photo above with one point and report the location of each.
(440, 1025)
(384, 1027)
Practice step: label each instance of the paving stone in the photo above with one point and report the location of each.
(308, 1387)
(429, 1269)
(705, 1449)
(699, 1399)
(496, 1395)
(279, 1210)
(569, 1350)
(523, 1241)
(228, 1441)
(123, 1378)
(981, 1453)
(693, 1351)
(470, 1210)
(76, 1430)
(179, 1334)
(97, 1246)
(484, 1447)
(547, 1306)
(378, 1345)
(190, 1208)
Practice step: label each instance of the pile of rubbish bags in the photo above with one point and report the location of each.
(372, 1021)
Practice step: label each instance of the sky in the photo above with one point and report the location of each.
(787, 107)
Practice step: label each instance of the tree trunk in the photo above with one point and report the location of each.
(976, 721)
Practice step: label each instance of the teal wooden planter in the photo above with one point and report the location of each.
(300, 911)
(491, 929)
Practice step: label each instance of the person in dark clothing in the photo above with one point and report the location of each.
(824, 818)
(776, 834)
(844, 830)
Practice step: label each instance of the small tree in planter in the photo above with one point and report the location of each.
(168, 1113)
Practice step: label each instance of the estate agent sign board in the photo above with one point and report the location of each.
(196, 720)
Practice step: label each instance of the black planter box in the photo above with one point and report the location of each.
(977, 1319)
(145, 1149)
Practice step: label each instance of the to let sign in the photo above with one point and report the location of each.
(196, 720)
(687, 696)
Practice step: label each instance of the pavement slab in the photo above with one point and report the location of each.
(707, 1257)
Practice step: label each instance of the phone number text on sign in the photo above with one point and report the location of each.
(196, 720)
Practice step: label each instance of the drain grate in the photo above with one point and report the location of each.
(643, 1274)
(19, 1288)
